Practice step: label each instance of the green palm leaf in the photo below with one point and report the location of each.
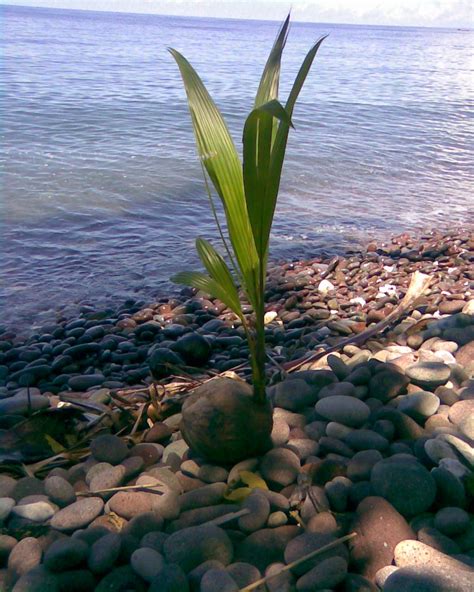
(270, 80)
(279, 147)
(219, 155)
(219, 272)
(203, 282)
(257, 141)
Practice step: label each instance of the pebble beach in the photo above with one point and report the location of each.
(372, 444)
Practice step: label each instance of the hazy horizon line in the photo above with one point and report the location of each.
(230, 18)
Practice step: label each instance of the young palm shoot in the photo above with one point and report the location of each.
(248, 192)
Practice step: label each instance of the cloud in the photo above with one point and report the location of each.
(455, 13)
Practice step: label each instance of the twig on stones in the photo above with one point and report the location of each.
(327, 547)
(147, 487)
(139, 418)
(228, 517)
(419, 283)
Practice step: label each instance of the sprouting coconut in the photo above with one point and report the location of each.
(227, 420)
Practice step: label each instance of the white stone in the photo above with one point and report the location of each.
(324, 287)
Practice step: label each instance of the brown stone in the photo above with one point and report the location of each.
(379, 529)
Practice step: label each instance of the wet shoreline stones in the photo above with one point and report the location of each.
(380, 435)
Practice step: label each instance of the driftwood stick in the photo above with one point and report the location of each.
(419, 283)
(148, 488)
(229, 517)
(327, 547)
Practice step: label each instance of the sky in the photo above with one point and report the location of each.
(427, 13)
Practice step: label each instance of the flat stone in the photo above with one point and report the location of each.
(419, 405)
(434, 538)
(280, 466)
(204, 496)
(418, 555)
(218, 580)
(212, 474)
(7, 485)
(361, 464)
(200, 516)
(144, 523)
(327, 575)
(406, 428)
(428, 579)
(345, 410)
(65, 553)
(77, 515)
(450, 488)
(109, 448)
(276, 519)
(379, 529)
(6, 506)
(294, 395)
(36, 512)
(429, 375)
(307, 543)
(37, 579)
(437, 449)
(108, 478)
(408, 486)
(170, 579)
(387, 384)
(259, 507)
(122, 578)
(266, 546)
(85, 381)
(18, 405)
(340, 389)
(451, 521)
(147, 563)
(192, 546)
(243, 573)
(7, 543)
(25, 555)
(104, 553)
(463, 448)
(194, 349)
(59, 491)
(128, 504)
(460, 410)
(366, 440)
(174, 453)
(159, 433)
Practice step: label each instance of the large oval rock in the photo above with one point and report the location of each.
(429, 375)
(294, 395)
(163, 362)
(419, 405)
(222, 422)
(78, 514)
(346, 410)
(280, 466)
(428, 579)
(194, 349)
(417, 554)
(25, 555)
(192, 546)
(109, 448)
(406, 484)
(327, 575)
(379, 529)
(266, 546)
(65, 553)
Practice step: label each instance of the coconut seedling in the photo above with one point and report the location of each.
(227, 420)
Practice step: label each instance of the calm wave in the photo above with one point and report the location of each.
(102, 190)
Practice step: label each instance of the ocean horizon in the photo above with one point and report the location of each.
(102, 189)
